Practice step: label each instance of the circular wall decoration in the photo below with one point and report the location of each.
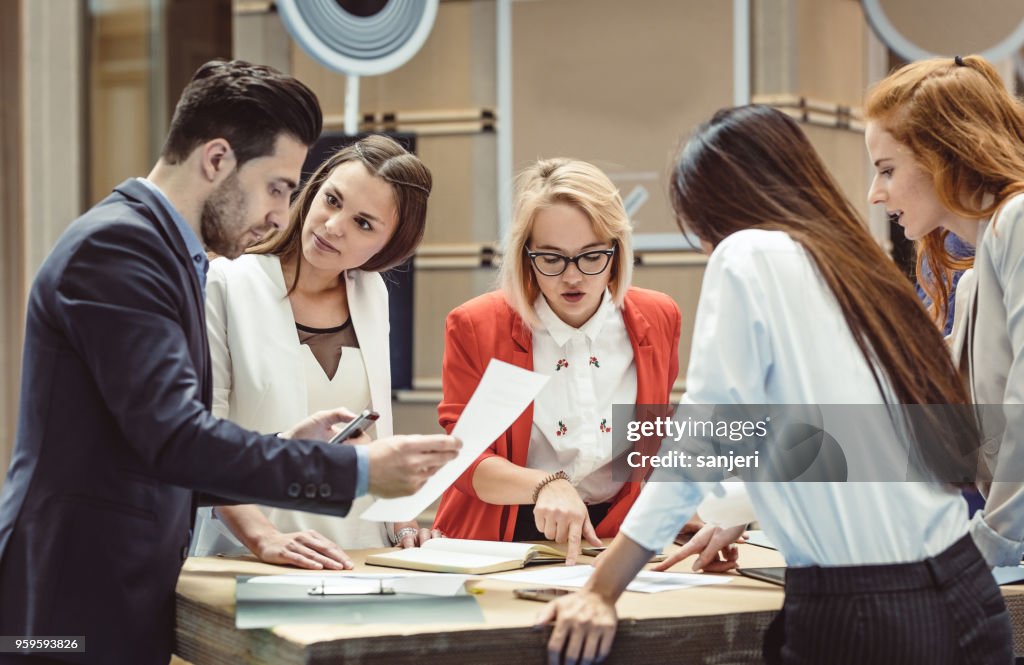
(359, 37)
(928, 28)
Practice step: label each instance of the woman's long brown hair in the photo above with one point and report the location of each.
(966, 130)
(753, 167)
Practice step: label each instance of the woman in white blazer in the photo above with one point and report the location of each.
(301, 322)
(947, 141)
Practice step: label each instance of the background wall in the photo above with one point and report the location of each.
(12, 273)
(87, 89)
(42, 60)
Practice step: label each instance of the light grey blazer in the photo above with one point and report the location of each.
(995, 339)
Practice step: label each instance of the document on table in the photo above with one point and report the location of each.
(503, 394)
(647, 581)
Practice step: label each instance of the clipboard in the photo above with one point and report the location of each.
(351, 587)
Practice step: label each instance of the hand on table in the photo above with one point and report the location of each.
(304, 549)
(561, 516)
(715, 545)
(414, 535)
(584, 630)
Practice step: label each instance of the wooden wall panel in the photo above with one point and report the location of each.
(454, 70)
(819, 50)
(682, 281)
(439, 291)
(42, 85)
(618, 84)
(12, 273)
(831, 57)
(120, 73)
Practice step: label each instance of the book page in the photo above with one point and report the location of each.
(494, 548)
(437, 559)
(503, 394)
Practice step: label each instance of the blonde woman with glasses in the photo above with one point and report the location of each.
(565, 308)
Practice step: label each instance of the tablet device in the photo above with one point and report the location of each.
(773, 575)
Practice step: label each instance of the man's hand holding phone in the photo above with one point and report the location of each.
(399, 465)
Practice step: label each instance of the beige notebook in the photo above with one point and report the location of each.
(470, 557)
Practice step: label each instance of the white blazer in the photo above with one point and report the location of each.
(260, 382)
(257, 368)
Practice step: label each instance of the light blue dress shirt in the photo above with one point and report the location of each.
(192, 243)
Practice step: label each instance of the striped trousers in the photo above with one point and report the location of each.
(946, 609)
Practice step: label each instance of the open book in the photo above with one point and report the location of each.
(471, 557)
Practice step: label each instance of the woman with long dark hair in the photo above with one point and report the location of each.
(800, 306)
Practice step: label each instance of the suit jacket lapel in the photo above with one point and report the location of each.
(154, 210)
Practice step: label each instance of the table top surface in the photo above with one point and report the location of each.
(210, 582)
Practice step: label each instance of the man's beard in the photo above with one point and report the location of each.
(222, 221)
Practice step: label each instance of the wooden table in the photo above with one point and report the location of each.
(714, 624)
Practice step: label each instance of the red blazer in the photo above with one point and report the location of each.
(487, 327)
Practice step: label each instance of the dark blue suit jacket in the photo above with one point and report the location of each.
(115, 433)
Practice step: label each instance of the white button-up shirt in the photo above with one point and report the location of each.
(591, 368)
(769, 331)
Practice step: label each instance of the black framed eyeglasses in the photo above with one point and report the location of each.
(594, 262)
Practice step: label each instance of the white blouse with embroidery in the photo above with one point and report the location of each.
(591, 368)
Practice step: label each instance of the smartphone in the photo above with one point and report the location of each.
(543, 595)
(355, 426)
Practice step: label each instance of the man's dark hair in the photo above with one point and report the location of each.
(247, 105)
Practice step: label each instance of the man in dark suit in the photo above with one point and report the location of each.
(114, 431)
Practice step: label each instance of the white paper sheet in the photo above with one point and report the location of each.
(504, 392)
(439, 584)
(647, 581)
